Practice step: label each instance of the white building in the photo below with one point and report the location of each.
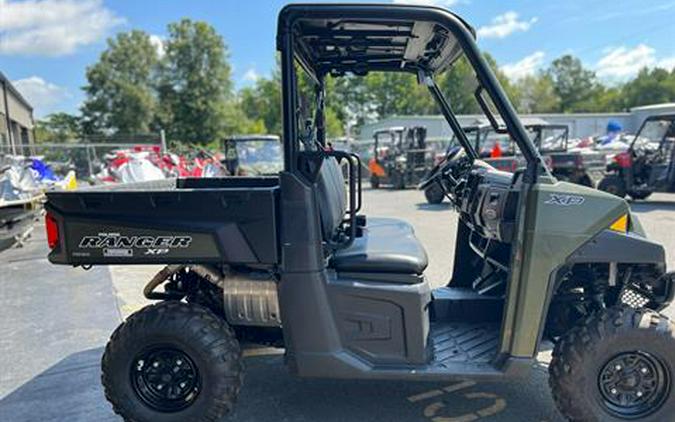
(581, 124)
(16, 118)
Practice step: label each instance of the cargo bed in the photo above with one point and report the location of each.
(205, 220)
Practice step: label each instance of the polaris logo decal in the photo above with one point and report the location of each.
(565, 200)
(158, 244)
(118, 253)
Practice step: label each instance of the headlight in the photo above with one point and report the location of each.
(401, 159)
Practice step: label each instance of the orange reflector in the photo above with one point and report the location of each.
(621, 224)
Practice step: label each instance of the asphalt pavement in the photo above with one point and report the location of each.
(56, 321)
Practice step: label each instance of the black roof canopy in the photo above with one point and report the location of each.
(357, 38)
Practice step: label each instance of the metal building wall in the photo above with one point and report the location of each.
(17, 123)
(581, 125)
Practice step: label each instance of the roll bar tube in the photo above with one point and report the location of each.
(449, 115)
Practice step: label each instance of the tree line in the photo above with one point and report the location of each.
(185, 87)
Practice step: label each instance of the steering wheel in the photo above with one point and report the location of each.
(442, 168)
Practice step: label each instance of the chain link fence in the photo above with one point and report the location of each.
(85, 155)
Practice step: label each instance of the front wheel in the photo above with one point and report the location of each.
(613, 184)
(398, 180)
(434, 194)
(639, 195)
(172, 362)
(615, 366)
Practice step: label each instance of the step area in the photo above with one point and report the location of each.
(465, 326)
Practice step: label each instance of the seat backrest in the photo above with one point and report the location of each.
(331, 197)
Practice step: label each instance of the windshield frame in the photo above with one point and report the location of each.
(539, 129)
(293, 45)
(662, 117)
(236, 142)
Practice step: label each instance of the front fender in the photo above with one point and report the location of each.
(621, 248)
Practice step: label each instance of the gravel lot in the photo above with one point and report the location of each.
(56, 321)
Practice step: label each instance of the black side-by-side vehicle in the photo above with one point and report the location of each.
(649, 163)
(400, 157)
(291, 261)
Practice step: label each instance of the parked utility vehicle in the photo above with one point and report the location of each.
(400, 157)
(290, 260)
(584, 167)
(581, 166)
(575, 166)
(252, 155)
(649, 163)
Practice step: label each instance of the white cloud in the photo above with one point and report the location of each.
(52, 27)
(438, 3)
(42, 95)
(667, 63)
(528, 65)
(622, 63)
(251, 75)
(505, 25)
(158, 43)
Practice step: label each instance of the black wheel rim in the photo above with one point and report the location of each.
(165, 378)
(633, 385)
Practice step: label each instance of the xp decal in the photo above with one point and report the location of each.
(564, 200)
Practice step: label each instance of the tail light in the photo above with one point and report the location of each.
(52, 231)
(624, 160)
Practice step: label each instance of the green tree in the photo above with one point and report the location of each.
(537, 94)
(397, 93)
(575, 86)
(58, 128)
(119, 90)
(262, 102)
(195, 89)
(349, 98)
(650, 86)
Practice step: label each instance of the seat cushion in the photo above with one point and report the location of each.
(388, 247)
(331, 197)
(377, 224)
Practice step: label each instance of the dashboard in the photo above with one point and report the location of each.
(487, 200)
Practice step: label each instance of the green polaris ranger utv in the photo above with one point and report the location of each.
(290, 261)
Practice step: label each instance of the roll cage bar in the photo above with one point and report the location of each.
(357, 38)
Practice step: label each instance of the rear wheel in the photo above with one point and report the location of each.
(613, 184)
(374, 182)
(172, 362)
(434, 194)
(616, 366)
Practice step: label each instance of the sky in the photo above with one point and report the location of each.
(46, 45)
